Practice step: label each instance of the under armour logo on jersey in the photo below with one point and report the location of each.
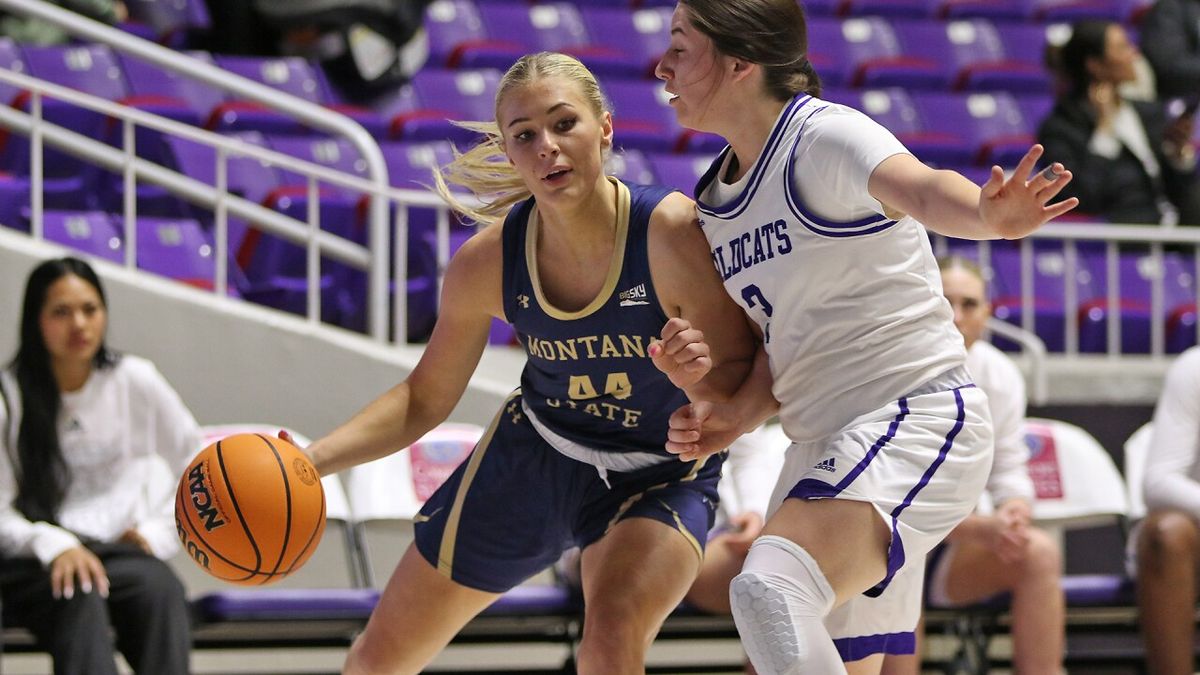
(523, 301)
(634, 296)
(826, 465)
(73, 424)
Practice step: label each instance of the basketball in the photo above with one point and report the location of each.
(250, 509)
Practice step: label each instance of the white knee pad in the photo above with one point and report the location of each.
(779, 602)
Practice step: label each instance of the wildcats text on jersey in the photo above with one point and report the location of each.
(751, 248)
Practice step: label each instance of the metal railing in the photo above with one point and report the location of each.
(1149, 243)
(216, 197)
(310, 113)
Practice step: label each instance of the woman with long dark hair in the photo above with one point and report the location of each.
(1133, 160)
(90, 444)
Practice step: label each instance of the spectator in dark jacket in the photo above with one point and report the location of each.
(1171, 40)
(1132, 162)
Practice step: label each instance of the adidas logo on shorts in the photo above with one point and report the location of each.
(826, 465)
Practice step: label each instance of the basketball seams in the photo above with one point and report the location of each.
(318, 530)
(208, 547)
(238, 509)
(287, 492)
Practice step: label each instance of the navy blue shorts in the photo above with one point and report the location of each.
(516, 503)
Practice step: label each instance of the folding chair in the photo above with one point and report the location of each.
(1077, 485)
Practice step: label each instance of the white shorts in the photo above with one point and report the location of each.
(922, 461)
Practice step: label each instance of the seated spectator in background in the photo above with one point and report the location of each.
(1168, 540)
(1171, 39)
(36, 31)
(1132, 163)
(999, 552)
(91, 443)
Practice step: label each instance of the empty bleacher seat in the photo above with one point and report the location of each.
(642, 33)
(979, 55)
(681, 172)
(444, 96)
(458, 38)
(175, 23)
(557, 27)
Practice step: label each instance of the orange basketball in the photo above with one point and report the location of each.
(250, 509)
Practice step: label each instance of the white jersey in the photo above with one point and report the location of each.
(849, 301)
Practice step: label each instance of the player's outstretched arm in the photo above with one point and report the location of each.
(706, 347)
(949, 204)
(471, 296)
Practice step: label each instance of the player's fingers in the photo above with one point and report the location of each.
(1056, 210)
(683, 435)
(57, 578)
(1050, 190)
(1025, 166)
(994, 183)
(674, 325)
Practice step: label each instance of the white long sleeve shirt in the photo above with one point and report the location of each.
(126, 436)
(1172, 478)
(1001, 380)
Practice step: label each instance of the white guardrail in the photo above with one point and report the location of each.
(372, 259)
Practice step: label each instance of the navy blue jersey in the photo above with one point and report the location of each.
(588, 376)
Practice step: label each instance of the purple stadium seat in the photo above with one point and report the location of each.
(180, 249)
(927, 138)
(1137, 273)
(977, 55)
(988, 9)
(1069, 11)
(458, 38)
(443, 96)
(90, 232)
(292, 75)
(167, 93)
(642, 118)
(10, 59)
(680, 171)
(14, 199)
(828, 51)
(890, 8)
(992, 124)
(70, 183)
(337, 154)
(877, 58)
(559, 27)
(176, 23)
(643, 33)
(631, 166)
(1049, 289)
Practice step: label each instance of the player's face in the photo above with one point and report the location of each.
(966, 294)
(554, 139)
(73, 321)
(691, 69)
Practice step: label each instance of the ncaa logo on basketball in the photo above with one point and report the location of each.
(202, 499)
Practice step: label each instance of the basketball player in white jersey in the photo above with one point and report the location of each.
(814, 215)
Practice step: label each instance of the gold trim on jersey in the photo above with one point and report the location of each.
(614, 266)
(450, 532)
(633, 499)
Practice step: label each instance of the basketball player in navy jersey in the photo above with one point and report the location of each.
(814, 217)
(590, 272)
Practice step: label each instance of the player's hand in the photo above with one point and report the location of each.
(77, 564)
(700, 429)
(682, 354)
(1015, 207)
(132, 536)
(744, 529)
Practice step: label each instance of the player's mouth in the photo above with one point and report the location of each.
(557, 175)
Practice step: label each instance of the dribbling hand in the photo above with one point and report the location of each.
(1016, 207)
(682, 355)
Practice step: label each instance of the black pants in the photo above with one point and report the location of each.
(146, 606)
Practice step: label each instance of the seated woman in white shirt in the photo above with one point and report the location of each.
(85, 519)
(1000, 552)
(1168, 540)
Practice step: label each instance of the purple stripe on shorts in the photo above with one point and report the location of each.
(896, 550)
(811, 488)
(855, 648)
